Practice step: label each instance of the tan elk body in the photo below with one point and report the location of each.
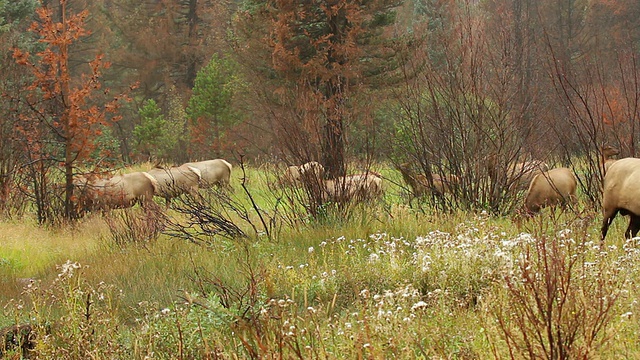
(290, 177)
(120, 191)
(213, 172)
(551, 188)
(364, 186)
(621, 194)
(175, 181)
(420, 185)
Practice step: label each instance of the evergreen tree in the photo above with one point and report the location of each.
(155, 137)
(210, 108)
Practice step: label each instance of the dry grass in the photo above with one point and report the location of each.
(28, 250)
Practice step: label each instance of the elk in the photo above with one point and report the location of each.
(621, 194)
(175, 181)
(364, 186)
(420, 185)
(213, 172)
(119, 191)
(293, 175)
(554, 187)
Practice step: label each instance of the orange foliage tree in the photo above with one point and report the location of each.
(65, 119)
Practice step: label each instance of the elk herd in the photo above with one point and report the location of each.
(544, 186)
(363, 186)
(123, 191)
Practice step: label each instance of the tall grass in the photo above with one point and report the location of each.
(391, 282)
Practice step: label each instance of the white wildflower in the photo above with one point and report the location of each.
(419, 305)
(68, 269)
(311, 310)
(564, 233)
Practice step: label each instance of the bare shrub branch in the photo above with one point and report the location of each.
(206, 215)
(138, 227)
(560, 298)
(458, 112)
(602, 103)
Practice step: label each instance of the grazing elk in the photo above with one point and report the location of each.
(213, 172)
(420, 185)
(621, 194)
(551, 188)
(119, 191)
(294, 175)
(366, 186)
(290, 177)
(175, 181)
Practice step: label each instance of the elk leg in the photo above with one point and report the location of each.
(608, 218)
(634, 226)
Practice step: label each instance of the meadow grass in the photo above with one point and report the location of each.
(384, 281)
(30, 251)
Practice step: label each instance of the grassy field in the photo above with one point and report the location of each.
(385, 281)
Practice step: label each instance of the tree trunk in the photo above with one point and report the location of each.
(333, 147)
(69, 131)
(333, 142)
(192, 18)
(69, 209)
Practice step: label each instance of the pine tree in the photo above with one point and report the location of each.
(323, 51)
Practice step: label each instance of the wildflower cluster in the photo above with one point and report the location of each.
(88, 321)
(460, 267)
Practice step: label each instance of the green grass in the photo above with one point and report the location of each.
(386, 281)
(29, 250)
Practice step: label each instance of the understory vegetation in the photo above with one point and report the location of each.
(253, 278)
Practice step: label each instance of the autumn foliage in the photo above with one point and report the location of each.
(442, 84)
(66, 115)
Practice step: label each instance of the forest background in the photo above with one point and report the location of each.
(443, 85)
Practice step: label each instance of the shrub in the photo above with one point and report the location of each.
(560, 296)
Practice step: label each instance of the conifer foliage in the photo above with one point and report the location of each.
(321, 49)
